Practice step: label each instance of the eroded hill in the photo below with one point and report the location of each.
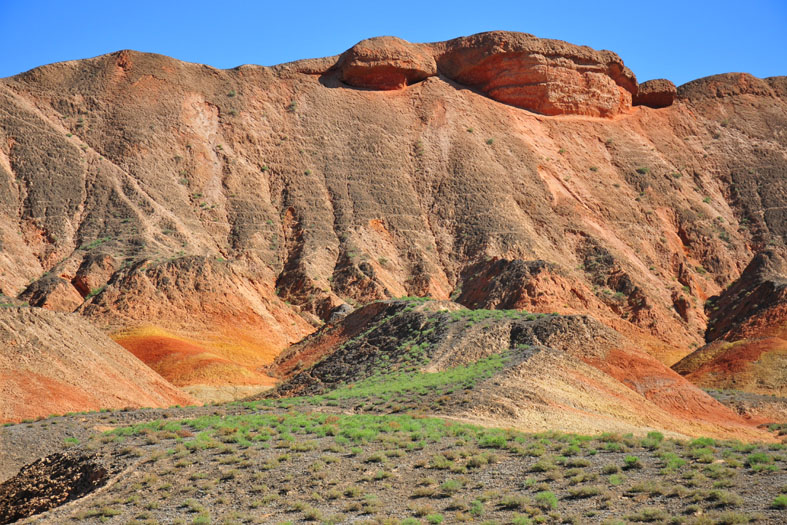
(225, 214)
(501, 367)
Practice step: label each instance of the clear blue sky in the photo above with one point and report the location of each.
(676, 40)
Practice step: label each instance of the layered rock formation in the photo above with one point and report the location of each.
(189, 210)
(546, 76)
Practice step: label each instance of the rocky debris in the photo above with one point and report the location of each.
(53, 293)
(546, 76)
(48, 483)
(385, 63)
(657, 93)
(94, 272)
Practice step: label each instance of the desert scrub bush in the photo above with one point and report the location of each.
(632, 462)
(451, 486)
(423, 492)
(514, 502)
(576, 462)
(757, 458)
(653, 488)
(649, 514)
(779, 502)
(519, 519)
(546, 500)
(671, 462)
(585, 491)
(543, 465)
(492, 440)
(724, 498)
(653, 440)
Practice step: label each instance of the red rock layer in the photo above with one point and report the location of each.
(546, 76)
(385, 63)
(658, 93)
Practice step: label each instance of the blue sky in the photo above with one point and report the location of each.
(676, 40)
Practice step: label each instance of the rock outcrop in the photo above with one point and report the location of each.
(657, 93)
(50, 482)
(546, 76)
(53, 293)
(730, 85)
(385, 63)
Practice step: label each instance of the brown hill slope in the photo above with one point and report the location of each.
(747, 333)
(499, 367)
(53, 363)
(394, 169)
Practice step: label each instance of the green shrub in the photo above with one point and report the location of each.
(546, 500)
(632, 462)
(758, 458)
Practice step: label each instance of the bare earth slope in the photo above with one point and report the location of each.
(567, 373)
(747, 340)
(234, 210)
(53, 363)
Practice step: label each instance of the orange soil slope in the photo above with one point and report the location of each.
(184, 362)
(53, 363)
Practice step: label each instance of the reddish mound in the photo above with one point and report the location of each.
(54, 363)
(658, 93)
(186, 363)
(385, 63)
